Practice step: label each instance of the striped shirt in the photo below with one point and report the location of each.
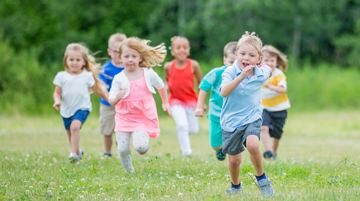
(271, 100)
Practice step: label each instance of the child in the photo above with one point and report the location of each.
(241, 113)
(274, 100)
(212, 81)
(72, 86)
(108, 71)
(130, 93)
(179, 78)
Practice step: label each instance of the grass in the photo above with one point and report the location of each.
(318, 160)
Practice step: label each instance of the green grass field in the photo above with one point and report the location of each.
(318, 160)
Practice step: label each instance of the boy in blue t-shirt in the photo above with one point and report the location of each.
(212, 82)
(107, 74)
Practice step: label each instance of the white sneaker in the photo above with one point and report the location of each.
(81, 154)
(73, 157)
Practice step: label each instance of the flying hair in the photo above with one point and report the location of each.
(151, 56)
(280, 57)
(250, 39)
(90, 62)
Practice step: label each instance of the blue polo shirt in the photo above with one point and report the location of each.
(243, 105)
(107, 74)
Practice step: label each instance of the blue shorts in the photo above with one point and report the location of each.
(80, 115)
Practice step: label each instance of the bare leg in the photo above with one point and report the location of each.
(252, 145)
(217, 148)
(69, 135)
(265, 137)
(75, 136)
(108, 142)
(276, 143)
(234, 168)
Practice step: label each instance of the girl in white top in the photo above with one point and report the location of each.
(72, 95)
(131, 94)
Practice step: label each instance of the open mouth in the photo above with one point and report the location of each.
(245, 64)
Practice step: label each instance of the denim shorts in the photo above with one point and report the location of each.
(80, 115)
(275, 121)
(234, 142)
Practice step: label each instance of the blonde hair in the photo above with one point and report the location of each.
(151, 56)
(90, 63)
(280, 57)
(117, 37)
(230, 48)
(250, 39)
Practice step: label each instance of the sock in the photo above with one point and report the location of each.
(263, 176)
(236, 186)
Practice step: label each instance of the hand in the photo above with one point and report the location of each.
(247, 70)
(199, 112)
(205, 108)
(57, 105)
(266, 84)
(120, 94)
(166, 107)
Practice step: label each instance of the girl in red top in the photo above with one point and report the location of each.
(179, 80)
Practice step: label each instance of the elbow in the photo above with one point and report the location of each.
(223, 94)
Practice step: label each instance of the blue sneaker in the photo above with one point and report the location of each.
(220, 155)
(268, 154)
(266, 187)
(233, 191)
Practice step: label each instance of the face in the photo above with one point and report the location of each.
(75, 62)
(269, 61)
(130, 58)
(180, 49)
(229, 60)
(112, 52)
(247, 55)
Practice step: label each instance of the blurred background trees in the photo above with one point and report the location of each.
(34, 34)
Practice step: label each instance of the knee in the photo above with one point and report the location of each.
(194, 130)
(183, 128)
(252, 145)
(141, 147)
(234, 162)
(123, 149)
(75, 126)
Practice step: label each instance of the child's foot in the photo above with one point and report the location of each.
(81, 155)
(106, 154)
(234, 190)
(266, 187)
(73, 157)
(268, 154)
(274, 156)
(219, 155)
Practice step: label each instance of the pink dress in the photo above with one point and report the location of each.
(137, 111)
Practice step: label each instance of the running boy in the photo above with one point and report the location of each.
(212, 82)
(107, 74)
(274, 100)
(241, 113)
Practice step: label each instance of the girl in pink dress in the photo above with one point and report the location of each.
(130, 93)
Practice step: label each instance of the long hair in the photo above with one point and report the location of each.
(151, 56)
(280, 57)
(90, 63)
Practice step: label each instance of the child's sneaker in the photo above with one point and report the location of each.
(233, 191)
(266, 187)
(106, 154)
(268, 154)
(144, 152)
(220, 155)
(274, 156)
(81, 154)
(73, 157)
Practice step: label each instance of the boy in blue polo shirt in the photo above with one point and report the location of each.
(212, 82)
(107, 73)
(241, 113)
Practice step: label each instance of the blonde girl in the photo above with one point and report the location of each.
(72, 95)
(274, 100)
(131, 94)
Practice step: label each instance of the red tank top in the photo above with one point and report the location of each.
(181, 84)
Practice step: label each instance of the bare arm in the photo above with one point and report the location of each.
(167, 67)
(197, 72)
(165, 100)
(279, 89)
(199, 112)
(100, 91)
(230, 87)
(57, 97)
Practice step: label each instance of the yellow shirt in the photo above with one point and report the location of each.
(272, 100)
